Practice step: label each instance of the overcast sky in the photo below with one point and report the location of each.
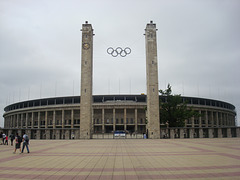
(198, 47)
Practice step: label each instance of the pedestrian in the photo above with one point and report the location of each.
(3, 138)
(25, 142)
(12, 138)
(6, 141)
(18, 141)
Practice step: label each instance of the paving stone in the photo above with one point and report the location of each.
(124, 159)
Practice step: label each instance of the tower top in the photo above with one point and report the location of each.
(86, 27)
(151, 25)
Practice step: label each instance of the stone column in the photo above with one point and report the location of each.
(191, 133)
(28, 132)
(32, 123)
(11, 121)
(9, 132)
(229, 133)
(47, 132)
(86, 82)
(172, 133)
(223, 120)
(206, 117)
(57, 134)
(6, 122)
(21, 125)
(46, 121)
(200, 133)
(67, 133)
(192, 120)
(219, 132)
(217, 120)
(185, 122)
(38, 119)
(72, 117)
(136, 120)
(38, 135)
(200, 119)
(181, 133)
(77, 134)
(20, 132)
(211, 119)
(26, 120)
(103, 121)
(232, 121)
(17, 120)
(14, 121)
(125, 119)
(54, 119)
(227, 119)
(63, 114)
(114, 119)
(210, 133)
(220, 119)
(153, 125)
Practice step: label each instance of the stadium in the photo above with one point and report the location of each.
(101, 116)
(59, 117)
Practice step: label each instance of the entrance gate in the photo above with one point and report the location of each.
(112, 136)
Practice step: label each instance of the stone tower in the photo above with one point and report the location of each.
(153, 125)
(86, 82)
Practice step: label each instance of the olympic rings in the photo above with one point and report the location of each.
(119, 51)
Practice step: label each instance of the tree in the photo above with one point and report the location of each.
(173, 111)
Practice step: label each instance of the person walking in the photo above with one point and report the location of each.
(25, 143)
(3, 138)
(12, 138)
(18, 141)
(6, 141)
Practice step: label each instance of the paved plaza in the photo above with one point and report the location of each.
(124, 159)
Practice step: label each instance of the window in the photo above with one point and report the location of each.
(131, 120)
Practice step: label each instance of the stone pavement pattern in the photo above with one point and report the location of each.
(124, 159)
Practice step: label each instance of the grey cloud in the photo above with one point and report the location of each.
(198, 47)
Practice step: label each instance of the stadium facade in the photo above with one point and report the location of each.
(88, 116)
(59, 118)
